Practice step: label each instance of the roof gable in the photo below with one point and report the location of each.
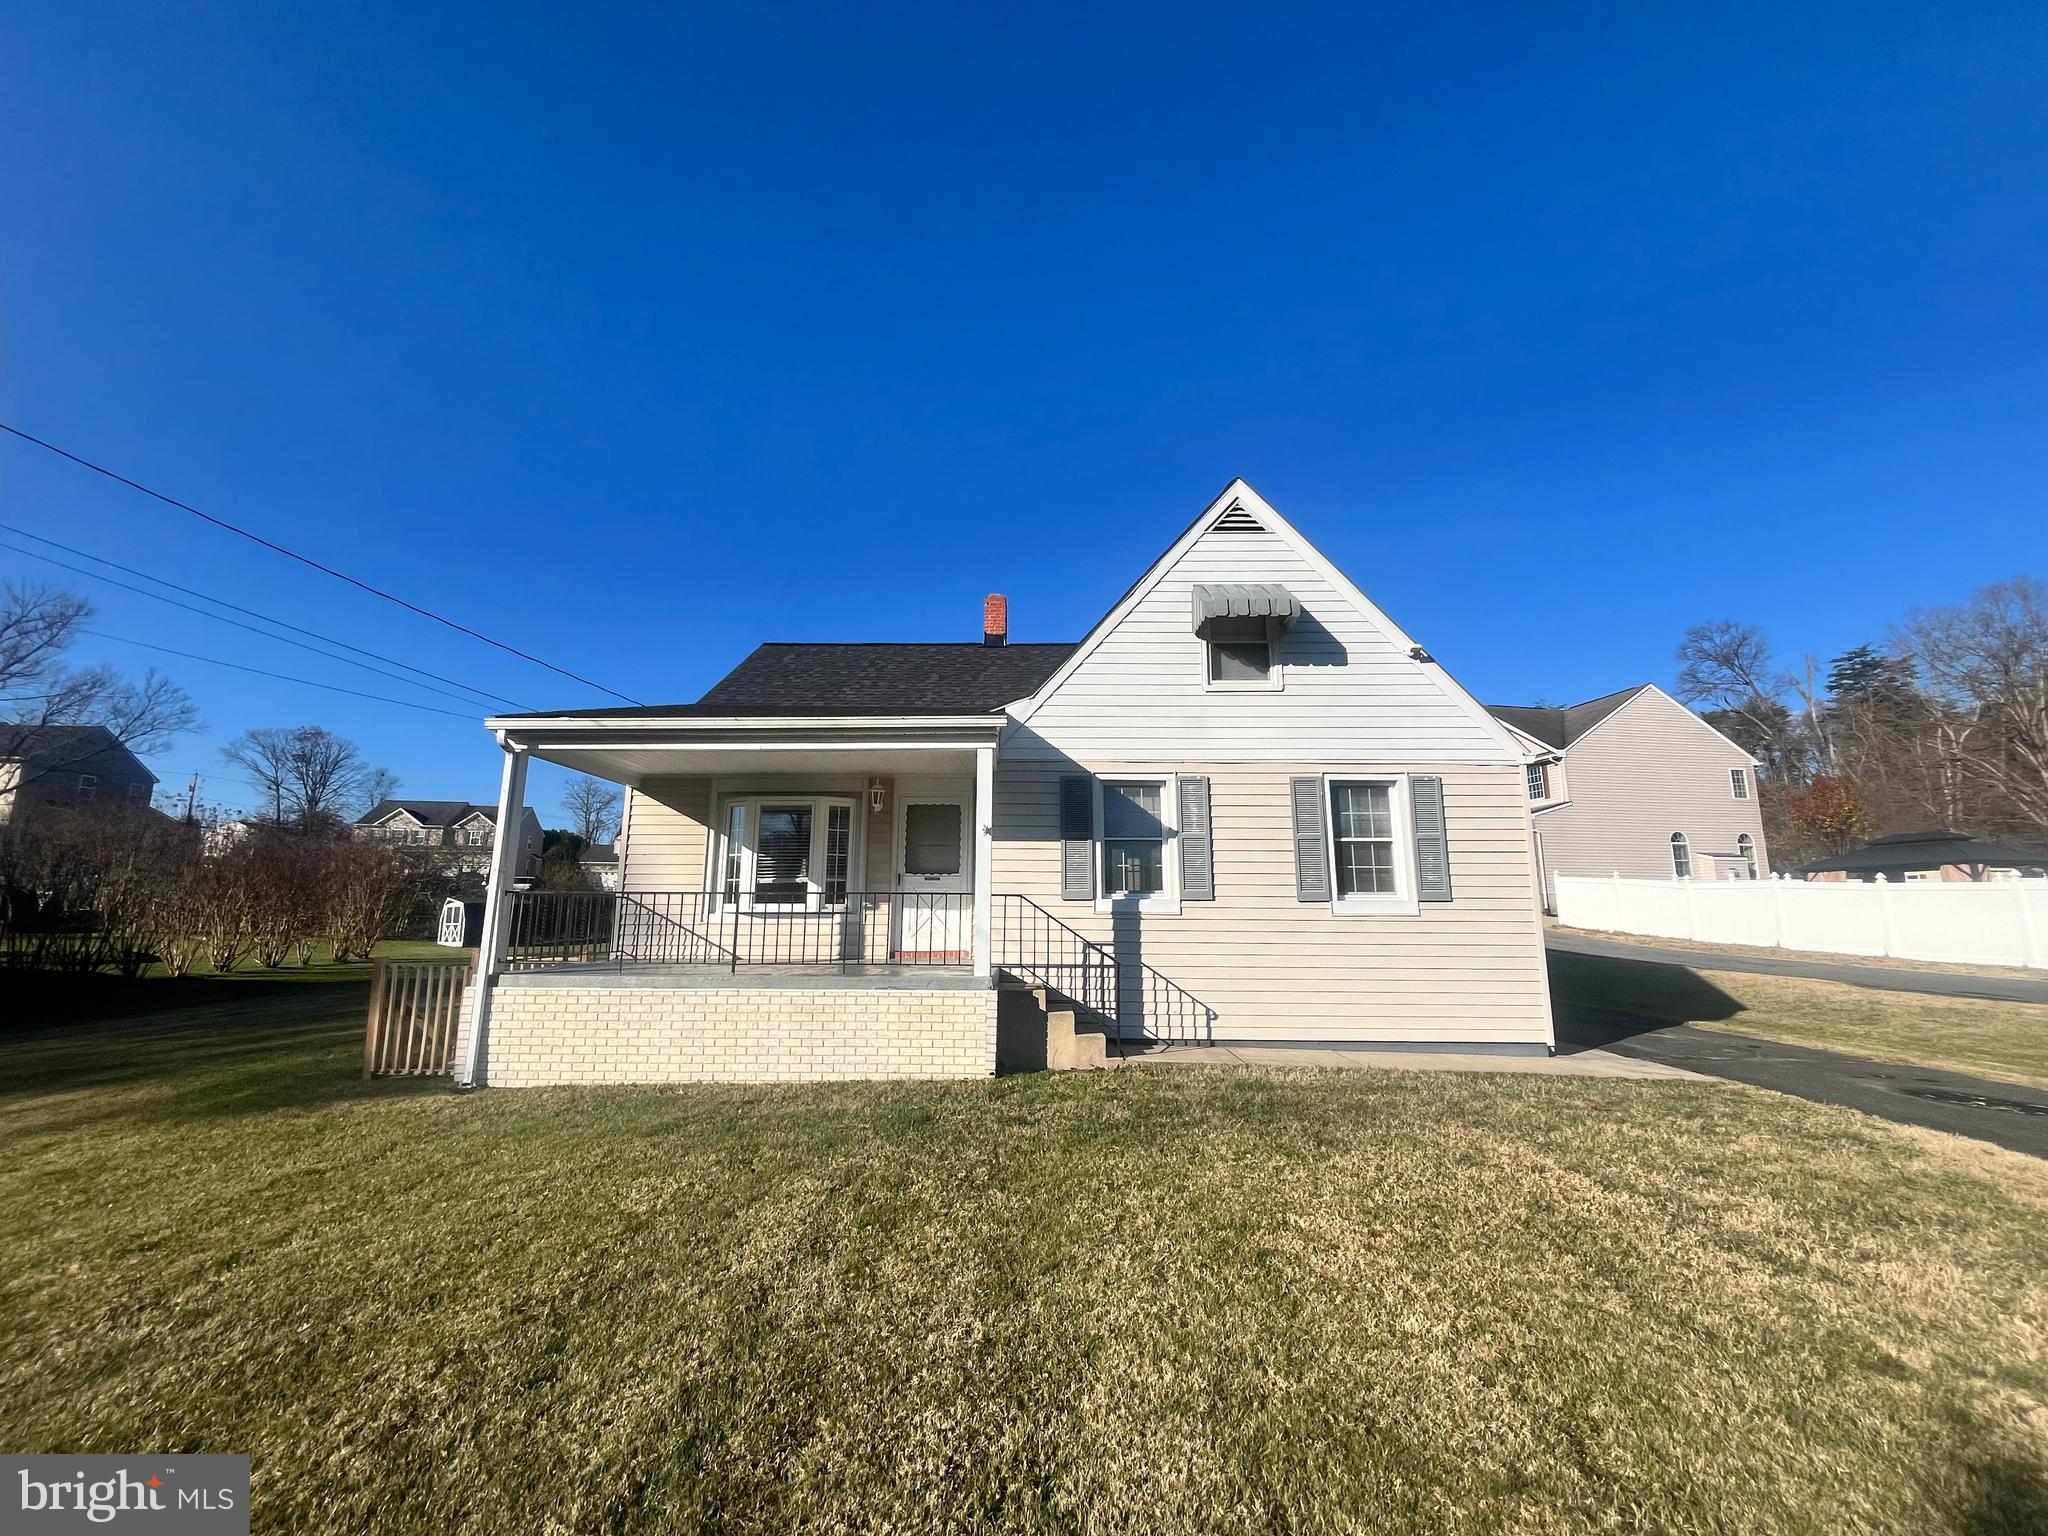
(1342, 641)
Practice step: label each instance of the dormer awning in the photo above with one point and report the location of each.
(1243, 600)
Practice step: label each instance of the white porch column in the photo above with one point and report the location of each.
(505, 846)
(984, 854)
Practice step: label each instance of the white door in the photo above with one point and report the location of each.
(934, 881)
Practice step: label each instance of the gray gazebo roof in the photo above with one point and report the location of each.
(1926, 850)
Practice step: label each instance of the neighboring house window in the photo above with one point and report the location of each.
(1539, 786)
(1240, 653)
(477, 837)
(781, 851)
(1681, 856)
(1738, 781)
(1923, 874)
(138, 791)
(1746, 846)
(88, 785)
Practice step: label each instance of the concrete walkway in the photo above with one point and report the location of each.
(1996, 989)
(1574, 1061)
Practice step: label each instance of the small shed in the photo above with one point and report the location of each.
(462, 924)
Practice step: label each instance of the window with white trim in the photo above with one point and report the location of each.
(785, 852)
(1738, 782)
(88, 785)
(1136, 863)
(1681, 856)
(1746, 846)
(1539, 781)
(1241, 653)
(1371, 837)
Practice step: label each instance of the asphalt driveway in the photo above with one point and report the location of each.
(2010, 1115)
(1996, 989)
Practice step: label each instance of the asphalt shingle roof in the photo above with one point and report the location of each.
(940, 678)
(1556, 727)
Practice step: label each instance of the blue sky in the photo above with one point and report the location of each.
(636, 336)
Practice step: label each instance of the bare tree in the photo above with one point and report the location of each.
(1726, 670)
(593, 808)
(38, 626)
(1985, 662)
(311, 777)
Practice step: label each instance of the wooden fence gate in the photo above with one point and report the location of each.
(415, 1010)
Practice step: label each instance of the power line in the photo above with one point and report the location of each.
(257, 538)
(222, 618)
(222, 602)
(432, 709)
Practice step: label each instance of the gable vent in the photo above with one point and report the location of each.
(1237, 520)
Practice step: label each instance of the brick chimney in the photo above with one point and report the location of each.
(995, 619)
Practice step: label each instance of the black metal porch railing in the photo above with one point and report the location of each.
(1136, 1001)
(864, 929)
(1029, 943)
(707, 928)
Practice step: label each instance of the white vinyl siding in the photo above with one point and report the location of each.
(1352, 695)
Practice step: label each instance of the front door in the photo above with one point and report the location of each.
(934, 902)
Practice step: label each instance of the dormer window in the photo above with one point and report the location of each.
(1239, 625)
(1240, 652)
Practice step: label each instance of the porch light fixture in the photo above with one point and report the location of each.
(876, 795)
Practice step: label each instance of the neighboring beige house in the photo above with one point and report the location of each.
(68, 765)
(1634, 783)
(1245, 807)
(457, 833)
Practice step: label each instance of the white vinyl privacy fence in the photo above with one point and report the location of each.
(2000, 922)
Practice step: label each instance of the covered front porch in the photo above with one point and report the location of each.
(806, 897)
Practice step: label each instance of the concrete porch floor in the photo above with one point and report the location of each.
(1574, 1063)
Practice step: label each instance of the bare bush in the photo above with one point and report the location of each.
(370, 890)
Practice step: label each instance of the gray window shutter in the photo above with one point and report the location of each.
(1311, 853)
(1197, 846)
(1432, 838)
(1077, 837)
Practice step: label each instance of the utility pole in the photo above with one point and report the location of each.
(191, 797)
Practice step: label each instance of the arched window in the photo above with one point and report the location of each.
(1746, 846)
(1681, 856)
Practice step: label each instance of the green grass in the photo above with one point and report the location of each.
(1146, 1301)
(2002, 1040)
(56, 997)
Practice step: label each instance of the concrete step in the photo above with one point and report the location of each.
(1040, 1031)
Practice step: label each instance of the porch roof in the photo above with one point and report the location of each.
(632, 749)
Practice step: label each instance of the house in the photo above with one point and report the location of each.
(1937, 855)
(1246, 806)
(600, 861)
(1634, 783)
(456, 833)
(68, 765)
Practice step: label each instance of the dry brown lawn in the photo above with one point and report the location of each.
(1146, 1302)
